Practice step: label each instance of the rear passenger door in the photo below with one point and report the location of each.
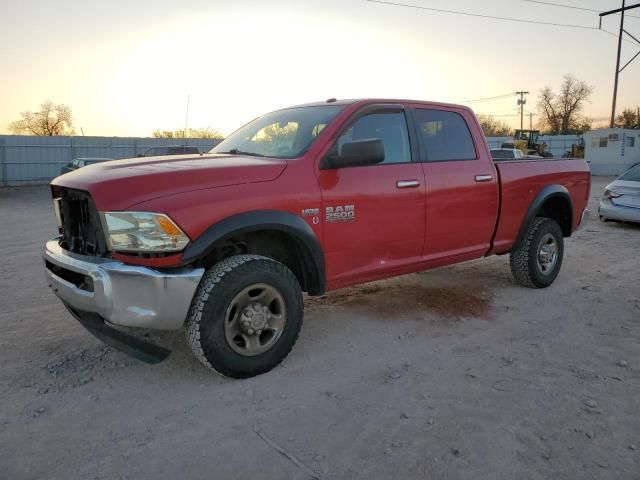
(462, 190)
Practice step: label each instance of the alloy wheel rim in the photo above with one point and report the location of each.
(255, 319)
(547, 256)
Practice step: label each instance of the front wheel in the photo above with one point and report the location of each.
(536, 261)
(246, 316)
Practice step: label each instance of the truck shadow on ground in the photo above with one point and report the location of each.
(413, 299)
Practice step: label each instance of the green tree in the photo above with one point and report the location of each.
(205, 132)
(561, 113)
(49, 121)
(492, 127)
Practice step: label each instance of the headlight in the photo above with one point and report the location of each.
(608, 194)
(142, 232)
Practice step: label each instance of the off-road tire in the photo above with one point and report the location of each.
(205, 329)
(523, 258)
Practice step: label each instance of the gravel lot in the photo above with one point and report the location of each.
(453, 373)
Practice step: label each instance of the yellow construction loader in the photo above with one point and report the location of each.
(528, 141)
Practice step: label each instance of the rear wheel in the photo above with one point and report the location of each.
(245, 316)
(536, 261)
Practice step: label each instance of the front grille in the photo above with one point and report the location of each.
(81, 230)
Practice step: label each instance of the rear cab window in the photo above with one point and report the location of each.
(443, 136)
(501, 154)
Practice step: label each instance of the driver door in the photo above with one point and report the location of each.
(374, 214)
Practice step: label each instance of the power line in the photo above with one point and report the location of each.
(616, 35)
(478, 15)
(562, 5)
(620, 38)
(551, 4)
(439, 10)
(500, 114)
(486, 99)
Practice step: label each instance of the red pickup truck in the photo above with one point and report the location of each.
(305, 199)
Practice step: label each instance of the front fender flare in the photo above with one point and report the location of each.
(277, 220)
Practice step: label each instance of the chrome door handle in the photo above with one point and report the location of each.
(484, 178)
(407, 183)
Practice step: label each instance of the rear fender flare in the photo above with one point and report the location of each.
(548, 192)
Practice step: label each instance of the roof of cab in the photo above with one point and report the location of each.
(350, 101)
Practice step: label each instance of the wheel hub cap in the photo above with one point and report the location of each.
(255, 319)
(547, 254)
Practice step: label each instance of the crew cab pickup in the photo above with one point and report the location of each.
(305, 199)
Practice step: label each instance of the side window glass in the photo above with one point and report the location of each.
(444, 136)
(389, 127)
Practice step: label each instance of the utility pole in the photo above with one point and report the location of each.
(530, 120)
(618, 69)
(615, 82)
(522, 102)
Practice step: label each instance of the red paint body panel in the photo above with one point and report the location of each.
(521, 181)
(461, 213)
(388, 228)
(195, 211)
(447, 218)
(121, 184)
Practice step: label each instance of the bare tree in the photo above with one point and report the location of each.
(561, 113)
(205, 132)
(50, 120)
(492, 127)
(627, 119)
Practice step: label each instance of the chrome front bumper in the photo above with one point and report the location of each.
(121, 294)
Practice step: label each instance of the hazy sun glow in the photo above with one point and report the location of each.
(127, 68)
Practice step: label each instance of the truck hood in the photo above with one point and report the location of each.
(120, 184)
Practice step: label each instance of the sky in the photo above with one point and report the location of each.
(127, 68)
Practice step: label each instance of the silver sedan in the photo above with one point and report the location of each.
(621, 200)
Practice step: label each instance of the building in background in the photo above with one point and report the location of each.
(611, 151)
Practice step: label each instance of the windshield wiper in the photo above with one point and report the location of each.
(235, 151)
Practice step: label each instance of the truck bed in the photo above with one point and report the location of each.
(522, 180)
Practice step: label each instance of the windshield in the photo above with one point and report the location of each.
(632, 175)
(282, 134)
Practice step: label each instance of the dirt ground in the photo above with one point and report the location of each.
(455, 373)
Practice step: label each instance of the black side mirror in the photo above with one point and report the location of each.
(368, 151)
